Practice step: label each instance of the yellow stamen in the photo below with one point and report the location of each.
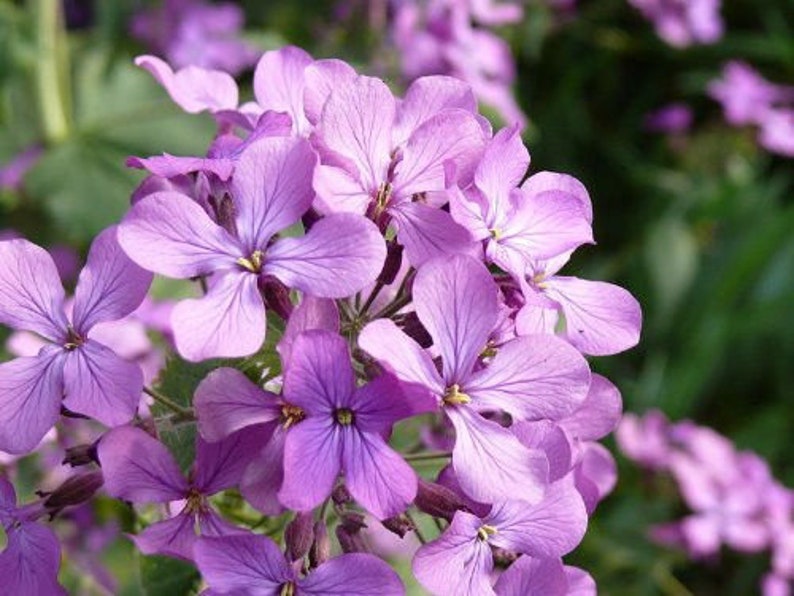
(344, 416)
(485, 531)
(496, 233)
(252, 263)
(291, 415)
(288, 589)
(455, 397)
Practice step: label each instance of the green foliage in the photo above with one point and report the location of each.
(162, 576)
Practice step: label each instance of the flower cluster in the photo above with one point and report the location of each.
(682, 23)
(395, 255)
(748, 99)
(453, 37)
(733, 497)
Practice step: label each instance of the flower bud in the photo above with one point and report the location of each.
(298, 536)
(399, 524)
(276, 296)
(341, 496)
(437, 500)
(348, 532)
(75, 491)
(80, 455)
(391, 267)
(320, 551)
(409, 322)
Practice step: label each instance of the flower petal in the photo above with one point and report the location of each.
(457, 562)
(30, 562)
(229, 321)
(220, 465)
(169, 233)
(319, 377)
(171, 166)
(272, 188)
(427, 232)
(238, 563)
(227, 401)
(598, 415)
(173, 537)
(456, 301)
(491, 464)
(529, 576)
(31, 294)
(101, 385)
(322, 77)
(354, 574)
(311, 313)
(601, 318)
(544, 181)
(377, 477)
(30, 400)
(110, 286)
(400, 354)
(279, 83)
(192, 88)
(531, 378)
(139, 468)
(340, 255)
(312, 461)
(502, 167)
(264, 476)
(551, 528)
(356, 124)
(451, 136)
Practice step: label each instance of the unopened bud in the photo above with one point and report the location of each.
(391, 267)
(502, 557)
(310, 218)
(348, 532)
(81, 455)
(409, 322)
(399, 524)
(437, 500)
(75, 491)
(276, 296)
(320, 551)
(298, 536)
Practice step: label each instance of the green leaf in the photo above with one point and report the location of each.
(162, 576)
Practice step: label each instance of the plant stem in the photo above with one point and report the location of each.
(52, 70)
(167, 402)
(426, 456)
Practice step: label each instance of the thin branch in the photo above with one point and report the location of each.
(167, 402)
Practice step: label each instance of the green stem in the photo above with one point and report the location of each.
(420, 536)
(167, 402)
(426, 456)
(52, 70)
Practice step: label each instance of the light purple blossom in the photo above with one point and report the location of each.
(530, 378)
(12, 173)
(170, 234)
(341, 430)
(681, 23)
(196, 33)
(30, 561)
(460, 561)
(73, 368)
(530, 576)
(252, 565)
(675, 118)
(140, 469)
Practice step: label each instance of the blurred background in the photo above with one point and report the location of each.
(694, 214)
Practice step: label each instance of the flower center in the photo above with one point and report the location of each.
(288, 589)
(252, 263)
(291, 415)
(195, 502)
(496, 234)
(485, 532)
(73, 339)
(455, 397)
(344, 416)
(383, 197)
(538, 280)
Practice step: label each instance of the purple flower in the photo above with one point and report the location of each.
(530, 576)
(673, 118)
(341, 430)
(460, 561)
(683, 22)
(251, 565)
(777, 132)
(384, 158)
(169, 233)
(530, 378)
(13, 172)
(745, 95)
(195, 33)
(29, 564)
(73, 368)
(138, 468)
(545, 217)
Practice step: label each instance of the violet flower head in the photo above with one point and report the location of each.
(675, 118)
(681, 23)
(140, 469)
(252, 565)
(169, 233)
(32, 556)
(745, 95)
(73, 369)
(196, 33)
(460, 561)
(530, 378)
(382, 157)
(341, 429)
